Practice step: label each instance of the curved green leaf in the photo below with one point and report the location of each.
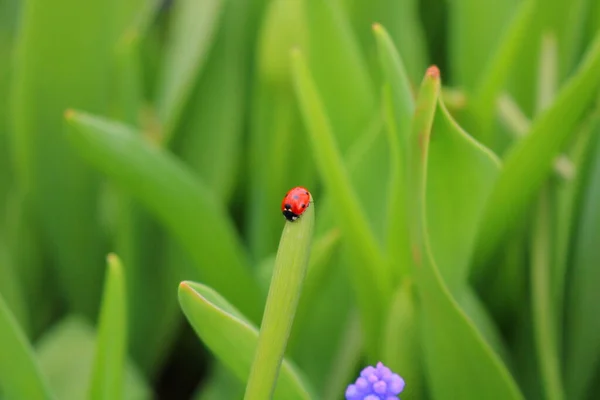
(170, 191)
(530, 161)
(20, 374)
(448, 334)
(399, 107)
(460, 176)
(109, 363)
(232, 338)
(371, 275)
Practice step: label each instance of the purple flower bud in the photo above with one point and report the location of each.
(376, 383)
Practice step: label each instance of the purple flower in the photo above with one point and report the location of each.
(376, 383)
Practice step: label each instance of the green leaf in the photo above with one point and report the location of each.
(232, 338)
(403, 22)
(371, 275)
(277, 137)
(66, 354)
(178, 200)
(209, 137)
(544, 320)
(499, 65)
(402, 346)
(530, 161)
(399, 107)
(339, 70)
(582, 351)
(20, 374)
(448, 334)
(460, 176)
(109, 362)
(291, 265)
(474, 29)
(192, 28)
(79, 76)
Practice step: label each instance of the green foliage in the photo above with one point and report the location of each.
(456, 238)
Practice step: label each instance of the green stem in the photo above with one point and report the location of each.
(290, 269)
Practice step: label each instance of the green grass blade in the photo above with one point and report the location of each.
(109, 363)
(448, 334)
(530, 161)
(193, 26)
(499, 66)
(542, 305)
(232, 338)
(291, 265)
(20, 374)
(66, 356)
(402, 348)
(399, 107)
(79, 76)
(582, 350)
(339, 71)
(371, 275)
(179, 201)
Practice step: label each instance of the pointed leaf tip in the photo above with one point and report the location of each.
(433, 72)
(376, 27)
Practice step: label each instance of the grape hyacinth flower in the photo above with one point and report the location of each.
(376, 383)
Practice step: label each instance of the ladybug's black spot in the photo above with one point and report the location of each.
(289, 215)
(305, 192)
(287, 206)
(303, 205)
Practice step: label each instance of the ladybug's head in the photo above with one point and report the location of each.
(288, 213)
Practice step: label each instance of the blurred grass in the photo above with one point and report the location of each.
(459, 246)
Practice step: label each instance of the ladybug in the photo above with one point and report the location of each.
(295, 202)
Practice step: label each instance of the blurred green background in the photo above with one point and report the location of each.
(167, 132)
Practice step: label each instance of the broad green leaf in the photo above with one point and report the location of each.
(582, 352)
(370, 275)
(290, 269)
(78, 76)
(448, 334)
(402, 346)
(178, 200)
(530, 160)
(232, 338)
(66, 354)
(111, 347)
(192, 28)
(20, 374)
(399, 106)
(461, 174)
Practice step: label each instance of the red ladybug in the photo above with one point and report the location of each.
(295, 202)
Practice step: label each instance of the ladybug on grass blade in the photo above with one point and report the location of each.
(295, 202)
